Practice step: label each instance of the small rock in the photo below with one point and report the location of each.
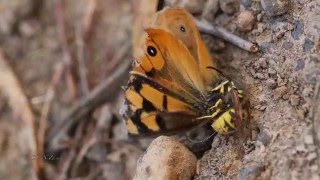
(308, 139)
(298, 29)
(308, 45)
(312, 156)
(307, 91)
(271, 83)
(300, 65)
(229, 6)
(286, 97)
(166, 158)
(287, 45)
(294, 100)
(193, 6)
(301, 113)
(264, 138)
(280, 91)
(245, 21)
(246, 3)
(210, 10)
(275, 7)
(272, 71)
(260, 76)
(29, 28)
(250, 172)
(301, 148)
(261, 63)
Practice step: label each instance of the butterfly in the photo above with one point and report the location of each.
(175, 86)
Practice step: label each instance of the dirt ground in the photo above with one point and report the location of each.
(51, 44)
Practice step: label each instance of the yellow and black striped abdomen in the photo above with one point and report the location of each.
(228, 107)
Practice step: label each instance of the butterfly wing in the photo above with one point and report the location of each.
(152, 109)
(164, 88)
(181, 24)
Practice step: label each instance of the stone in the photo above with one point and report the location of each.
(249, 172)
(193, 6)
(245, 21)
(298, 29)
(271, 83)
(308, 45)
(308, 139)
(294, 100)
(210, 10)
(280, 91)
(246, 3)
(275, 7)
(300, 64)
(229, 6)
(264, 138)
(166, 158)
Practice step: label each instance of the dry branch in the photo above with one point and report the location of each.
(104, 92)
(220, 32)
(22, 123)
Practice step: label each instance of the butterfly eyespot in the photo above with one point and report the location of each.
(182, 28)
(152, 51)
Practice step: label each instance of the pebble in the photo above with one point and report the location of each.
(271, 83)
(272, 71)
(308, 45)
(308, 139)
(264, 138)
(294, 100)
(300, 64)
(301, 113)
(298, 29)
(275, 7)
(166, 158)
(245, 21)
(287, 45)
(280, 91)
(229, 6)
(210, 10)
(246, 3)
(249, 172)
(261, 63)
(193, 6)
(307, 91)
(312, 156)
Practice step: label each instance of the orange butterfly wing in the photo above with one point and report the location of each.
(165, 88)
(181, 24)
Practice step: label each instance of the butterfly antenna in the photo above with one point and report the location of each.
(216, 69)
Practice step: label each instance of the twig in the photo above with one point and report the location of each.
(82, 62)
(82, 37)
(66, 160)
(99, 95)
(206, 27)
(24, 132)
(67, 58)
(45, 111)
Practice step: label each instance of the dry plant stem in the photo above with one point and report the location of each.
(87, 21)
(67, 58)
(45, 111)
(222, 33)
(91, 138)
(68, 157)
(82, 62)
(11, 88)
(99, 95)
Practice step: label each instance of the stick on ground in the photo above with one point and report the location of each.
(220, 32)
(99, 95)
